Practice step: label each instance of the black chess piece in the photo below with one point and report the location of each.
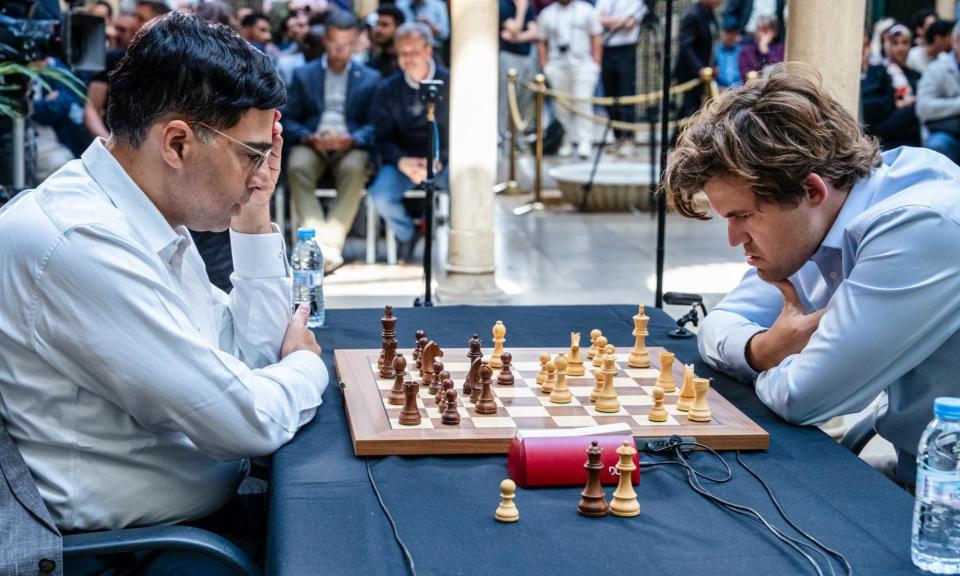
(389, 349)
(506, 375)
(436, 382)
(593, 501)
(485, 402)
(450, 416)
(397, 396)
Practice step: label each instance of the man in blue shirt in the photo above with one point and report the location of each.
(431, 13)
(855, 290)
(728, 59)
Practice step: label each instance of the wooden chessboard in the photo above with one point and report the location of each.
(376, 431)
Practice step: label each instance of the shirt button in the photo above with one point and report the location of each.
(46, 566)
(834, 275)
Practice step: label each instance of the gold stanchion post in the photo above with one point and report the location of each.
(511, 186)
(537, 203)
(709, 87)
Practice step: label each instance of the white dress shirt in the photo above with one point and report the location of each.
(135, 389)
(573, 26)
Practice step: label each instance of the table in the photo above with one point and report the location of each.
(324, 516)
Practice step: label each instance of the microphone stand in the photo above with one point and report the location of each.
(429, 187)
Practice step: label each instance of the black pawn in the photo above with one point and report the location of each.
(436, 383)
(593, 501)
(486, 403)
(450, 416)
(397, 395)
(442, 378)
(506, 376)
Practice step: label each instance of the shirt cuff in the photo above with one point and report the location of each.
(734, 351)
(314, 368)
(259, 256)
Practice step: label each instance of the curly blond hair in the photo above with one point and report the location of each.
(772, 133)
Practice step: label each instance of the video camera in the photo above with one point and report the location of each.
(34, 29)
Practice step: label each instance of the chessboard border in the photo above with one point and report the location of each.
(372, 434)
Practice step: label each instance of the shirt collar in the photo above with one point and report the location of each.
(326, 69)
(146, 220)
(858, 200)
(416, 85)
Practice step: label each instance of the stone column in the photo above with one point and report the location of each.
(473, 152)
(947, 9)
(829, 35)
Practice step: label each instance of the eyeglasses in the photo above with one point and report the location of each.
(261, 156)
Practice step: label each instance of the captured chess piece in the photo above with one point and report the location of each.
(700, 411)
(410, 413)
(506, 376)
(607, 400)
(507, 510)
(657, 412)
(542, 375)
(561, 393)
(638, 356)
(389, 349)
(551, 378)
(685, 401)
(594, 349)
(451, 415)
(665, 380)
(499, 337)
(397, 396)
(575, 367)
(593, 501)
(485, 403)
(601, 347)
(624, 501)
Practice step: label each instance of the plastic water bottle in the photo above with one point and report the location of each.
(307, 264)
(936, 515)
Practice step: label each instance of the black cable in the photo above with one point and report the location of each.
(588, 187)
(840, 557)
(393, 524)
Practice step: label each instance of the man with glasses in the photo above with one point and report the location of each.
(328, 119)
(135, 390)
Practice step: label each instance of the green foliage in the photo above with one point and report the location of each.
(39, 74)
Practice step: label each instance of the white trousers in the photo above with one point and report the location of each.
(578, 77)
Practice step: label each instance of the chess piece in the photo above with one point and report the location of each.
(593, 501)
(561, 393)
(429, 357)
(397, 396)
(499, 333)
(485, 403)
(657, 412)
(700, 411)
(506, 376)
(592, 352)
(410, 414)
(665, 380)
(437, 381)
(638, 356)
(601, 346)
(416, 346)
(624, 501)
(421, 344)
(442, 378)
(597, 385)
(507, 510)
(607, 400)
(389, 335)
(542, 375)
(471, 388)
(551, 378)
(451, 415)
(575, 361)
(686, 391)
(473, 375)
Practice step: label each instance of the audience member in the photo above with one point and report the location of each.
(698, 34)
(727, 53)
(219, 12)
(743, 16)
(56, 118)
(518, 31)
(255, 29)
(432, 13)
(936, 40)
(764, 50)
(327, 118)
(884, 115)
(400, 122)
(938, 101)
(621, 31)
(383, 50)
(570, 54)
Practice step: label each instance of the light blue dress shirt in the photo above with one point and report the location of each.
(433, 10)
(888, 274)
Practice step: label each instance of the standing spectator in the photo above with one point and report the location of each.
(400, 124)
(936, 39)
(327, 118)
(728, 59)
(744, 15)
(518, 31)
(698, 32)
(621, 30)
(764, 50)
(104, 10)
(255, 29)
(383, 52)
(938, 101)
(570, 53)
(432, 13)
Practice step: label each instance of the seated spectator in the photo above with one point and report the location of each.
(890, 118)
(295, 28)
(896, 46)
(728, 59)
(383, 50)
(255, 29)
(327, 118)
(938, 101)
(764, 50)
(400, 122)
(311, 48)
(57, 119)
(936, 39)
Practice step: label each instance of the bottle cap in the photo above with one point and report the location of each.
(947, 407)
(304, 233)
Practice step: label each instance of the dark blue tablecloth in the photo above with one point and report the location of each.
(324, 517)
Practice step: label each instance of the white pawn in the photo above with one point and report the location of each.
(507, 510)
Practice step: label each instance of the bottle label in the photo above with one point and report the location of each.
(939, 487)
(303, 277)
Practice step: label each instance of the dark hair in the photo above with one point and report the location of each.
(158, 8)
(920, 16)
(938, 28)
(341, 20)
(106, 5)
(253, 18)
(216, 11)
(392, 12)
(181, 66)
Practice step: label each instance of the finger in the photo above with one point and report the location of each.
(790, 297)
(301, 315)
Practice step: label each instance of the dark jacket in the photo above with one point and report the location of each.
(304, 108)
(698, 33)
(736, 14)
(881, 118)
(400, 119)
